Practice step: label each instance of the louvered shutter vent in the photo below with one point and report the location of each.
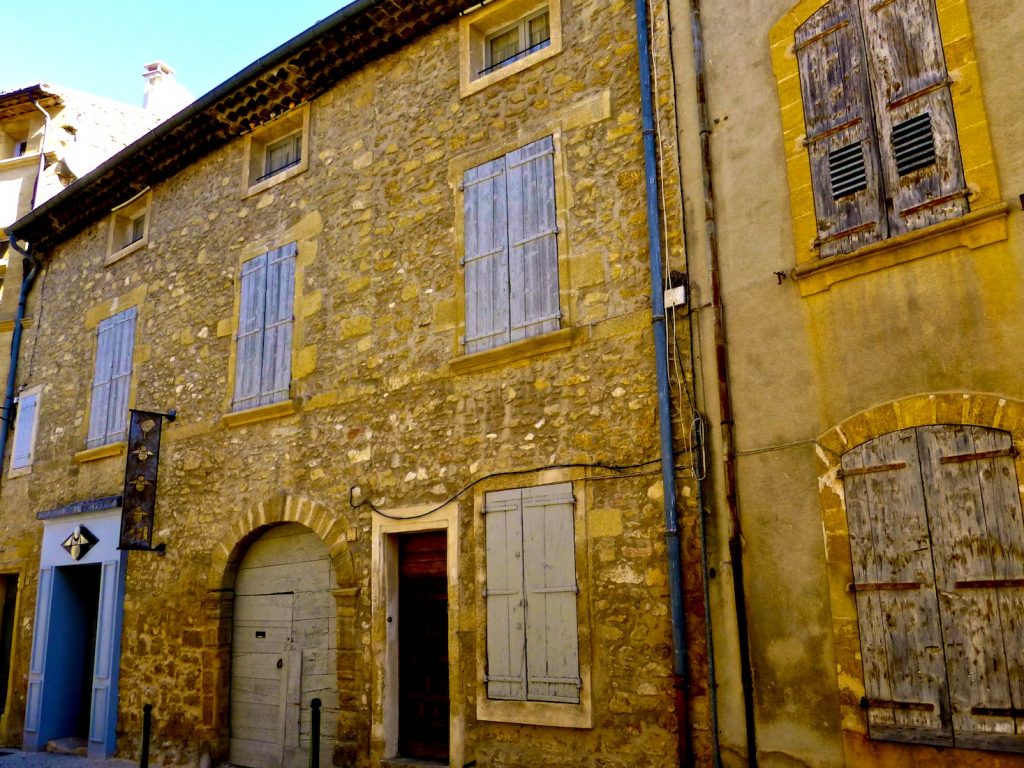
(249, 346)
(275, 379)
(913, 144)
(846, 170)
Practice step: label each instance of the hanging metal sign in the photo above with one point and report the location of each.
(140, 476)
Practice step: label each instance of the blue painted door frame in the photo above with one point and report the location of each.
(49, 707)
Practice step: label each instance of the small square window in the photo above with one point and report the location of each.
(517, 41)
(129, 227)
(506, 37)
(20, 148)
(276, 151)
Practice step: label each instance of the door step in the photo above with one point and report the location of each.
(410, 762)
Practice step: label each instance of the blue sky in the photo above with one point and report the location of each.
(100, 47)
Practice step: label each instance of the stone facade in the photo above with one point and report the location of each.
(826, 354)
(389, 427)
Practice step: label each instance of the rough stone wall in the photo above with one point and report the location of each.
(379, 406)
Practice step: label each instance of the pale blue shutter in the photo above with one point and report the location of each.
(115, 338)
(533, 249)
(486, 256)
(121, 375)
(506, 627)
(549, 563)
(249, 347)
(25, 431)
(277, 342)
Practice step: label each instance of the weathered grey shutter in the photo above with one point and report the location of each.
(549, 563)
(24, 431)
(978, 537)
(841, 141)
(506, 625)
(533, 248)
(115, 338)
(121, 375)
(277, 341)
(486, 258)
(894, 584)
(249, 346)
(917, 132)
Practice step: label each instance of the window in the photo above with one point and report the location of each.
(937, 544)
(880, 130)
(264, 342)
(282, 155)
(20, 148)
(527, 35)
(532, 632)
(108, 413)
(25, 430)
(129, 226)
(505, 37)
(511, 253)
(276, 151)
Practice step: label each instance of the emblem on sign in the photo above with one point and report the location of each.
(79, 543)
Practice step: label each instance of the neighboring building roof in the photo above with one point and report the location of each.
(295, 72)
(18, 101)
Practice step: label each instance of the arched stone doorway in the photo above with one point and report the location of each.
(284, 648)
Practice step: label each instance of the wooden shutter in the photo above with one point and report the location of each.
(506, 625)
(121, 375)
(894, 584)
(549, 563)
(486, 258)
(275, 378)
(914, 113)
(841, 141)
(533, 249)
(978, 537)
(249, 347)
(108, 411)
(25, 431)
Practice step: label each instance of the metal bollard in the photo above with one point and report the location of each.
(147, 723)
(314, 733)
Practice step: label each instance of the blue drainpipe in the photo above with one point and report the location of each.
(668, 478)
(27, 279)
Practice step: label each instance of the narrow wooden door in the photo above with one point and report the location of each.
(423, 702)
(260, 658)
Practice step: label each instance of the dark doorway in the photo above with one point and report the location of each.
(73, 616)
(8, 601)
(423, 704)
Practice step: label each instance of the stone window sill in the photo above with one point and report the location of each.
(260, 413)
(126, 251)
(20, 471)
(516, 350)
(101, 452)
(534, 713)
(974, 230)
(276, 179)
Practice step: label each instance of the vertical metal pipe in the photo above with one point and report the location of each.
(27, 279)
(314, 734)
(668, 479)
(147, 724)
(724, 389)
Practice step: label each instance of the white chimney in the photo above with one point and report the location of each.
(163, 95)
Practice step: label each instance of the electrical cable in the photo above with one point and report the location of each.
(618, 468)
